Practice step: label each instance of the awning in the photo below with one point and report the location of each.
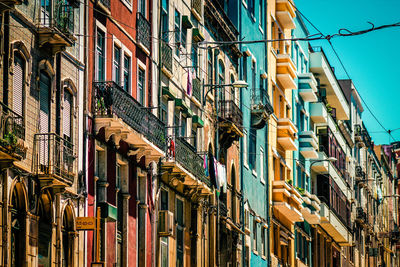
(197, 121)
(186, 23)
(180, 103)
(168, 93)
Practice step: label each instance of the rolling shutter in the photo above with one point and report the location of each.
(44, 103)
(18, 85)
(67, 114)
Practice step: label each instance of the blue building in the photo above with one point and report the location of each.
(249, 16)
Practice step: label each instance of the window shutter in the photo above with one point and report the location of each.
(44, 103)
(18, 85)
(67, 114)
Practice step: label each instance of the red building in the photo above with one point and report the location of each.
(125, 139)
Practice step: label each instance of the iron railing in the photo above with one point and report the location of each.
(54, 156)
(166, 56)
(230, 112)
(185, 154)
(61, 17)
(197, 89)
(11, 128)
(110, 99)
(361, 216)
(223, 210)
(196, 6)
(260, 101)
(143, 30)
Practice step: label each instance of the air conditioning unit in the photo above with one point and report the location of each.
(165, 223)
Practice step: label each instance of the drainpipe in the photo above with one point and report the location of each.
(217, 152)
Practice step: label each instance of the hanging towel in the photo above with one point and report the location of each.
(205, 166)
(211, 171)
(222, 177)
(189, 83)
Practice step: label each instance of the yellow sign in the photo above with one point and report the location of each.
(85, 223)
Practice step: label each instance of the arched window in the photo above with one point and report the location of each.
(18, 84)
(67, 231)
(221, 79)
(45, 86)
(67, 115)
(18, 233)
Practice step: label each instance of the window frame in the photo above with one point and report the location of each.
(141, 67)
(117, 64)
(103, 29)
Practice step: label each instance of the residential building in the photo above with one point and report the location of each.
(126, 138)
(42, 189)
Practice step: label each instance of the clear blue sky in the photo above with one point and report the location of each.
(372, 60)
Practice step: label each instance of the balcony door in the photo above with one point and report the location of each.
(44, 231)
(44, 115)
(179, 233)
(18, 232)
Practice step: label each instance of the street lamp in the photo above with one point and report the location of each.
(330, 159)
(236, 84)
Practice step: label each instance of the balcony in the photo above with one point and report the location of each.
(335, 209)
(285, 71)
(143, 33)
(261, 108)
(230, 121)
(56, 27)
(118, 115)
(286, 134)
(12, 136)
(361, 216)
(345, 128)
(318, 112)
(308, 144)
(196, 6)
(320, 66)
(166, 59)
(182, 161)
(331, 223)
(285, 13)
(308, 87)
(9, 4)
(53, 160)
(219, 24)
(311, 208)
(197, 89)
(287, 201)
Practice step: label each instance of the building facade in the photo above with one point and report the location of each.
(42, 187)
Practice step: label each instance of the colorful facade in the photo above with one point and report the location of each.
(184, 133)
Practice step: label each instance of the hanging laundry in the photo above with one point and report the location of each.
(205, 166)
(222, 177)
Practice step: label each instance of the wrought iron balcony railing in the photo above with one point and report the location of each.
(166, 56)
(185, 154)
(230, 112)
(361, 216)
(11, 128)
(54, 156)
(62, 18)
(143, 31)
(223, 210)
(110, 99)
(196, 6)
(197, 89)
(260, 101)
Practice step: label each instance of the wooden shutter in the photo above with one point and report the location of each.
(18, 85)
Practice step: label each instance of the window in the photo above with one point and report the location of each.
(141, 86)
(164, 200)
(176, 123)
(164, 251)
(262, 165)
(45, 86)
(210, 67)
(67, 115)
(177, 31)
(194, 137)
(244, 68)
(221, 79)
(18, 85)
(127, 73)
(194, 56)
(100, 55)
(164, 25)
(244, 142)
(252, 150)
(255, 235)
(183, 126)
(164, 111)
(253, 75)
(251, 7)
(117, 65)
(142, 7)
(263, 242)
